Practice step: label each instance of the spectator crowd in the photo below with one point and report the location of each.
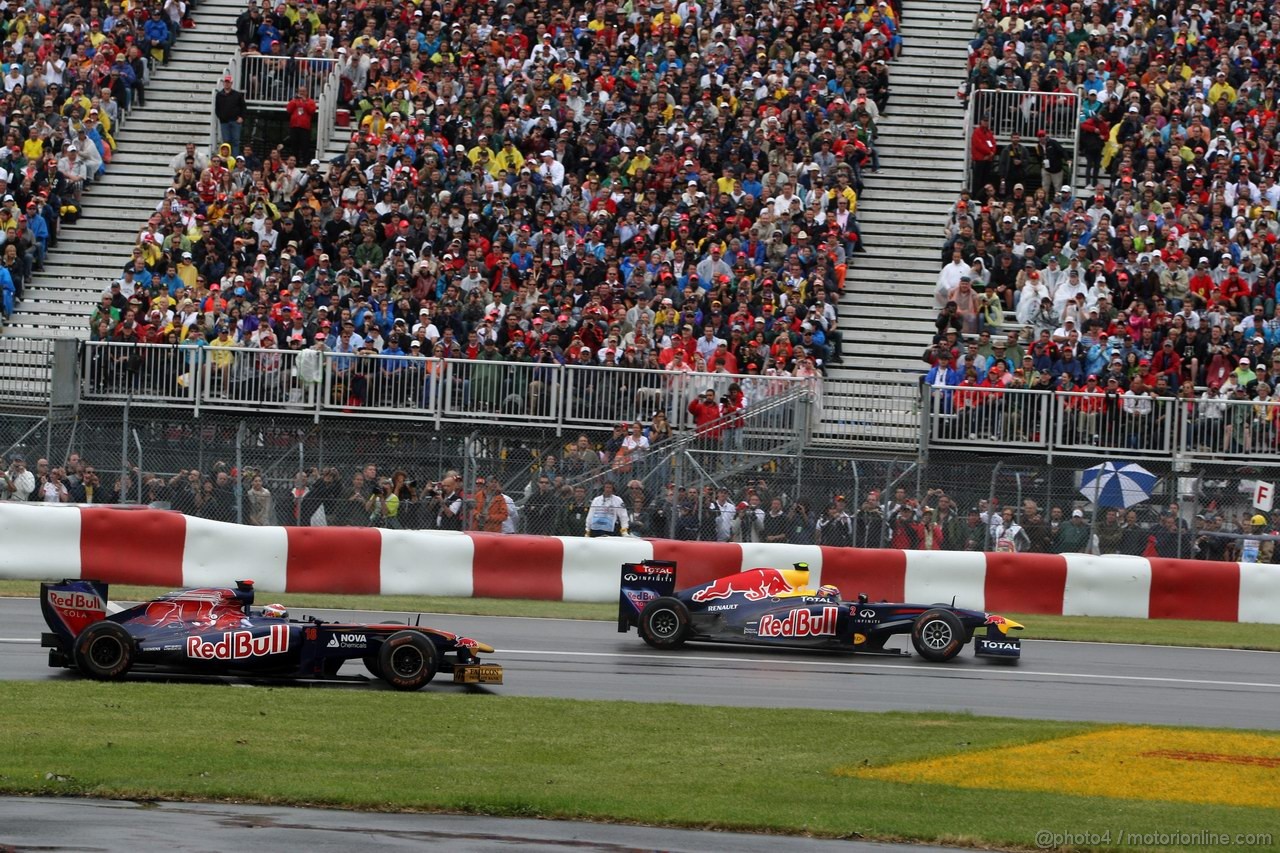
(561, 495)
(71, 73)
(1152, 292)
(671, 186)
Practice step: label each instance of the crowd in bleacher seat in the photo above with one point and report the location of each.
(671, 186)
(582, 490)
(1155, 283)
(70, 75)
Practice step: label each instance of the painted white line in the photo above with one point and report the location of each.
(24, 640)
(1153, 646)
(1011, 674)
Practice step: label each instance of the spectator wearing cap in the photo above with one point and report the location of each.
(301, 112)
(1052, 161)
(229, 108)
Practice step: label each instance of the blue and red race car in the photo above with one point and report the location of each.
(777, 607)
(217, 631)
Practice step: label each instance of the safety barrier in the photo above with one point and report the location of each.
(168, 549)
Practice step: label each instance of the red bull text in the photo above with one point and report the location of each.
(800, 623)
(238, 645)
(754, 585)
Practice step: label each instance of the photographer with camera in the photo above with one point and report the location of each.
(18, 482)
(383, 506)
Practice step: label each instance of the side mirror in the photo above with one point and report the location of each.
(862, 598)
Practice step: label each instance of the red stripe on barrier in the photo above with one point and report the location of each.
(1025, 583)
(1194, 589)
(517, 567)
(699, 562)
(139, 547)
(344, 560)
(882, 575)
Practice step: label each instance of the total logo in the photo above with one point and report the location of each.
(800, 623)
(1000, 646)
(239, 645)
(342, 641)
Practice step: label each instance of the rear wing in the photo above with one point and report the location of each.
(641, 583)
(70, 606)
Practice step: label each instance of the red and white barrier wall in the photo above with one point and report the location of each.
(168, 549)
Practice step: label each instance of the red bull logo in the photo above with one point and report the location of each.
(993, 619)
(239, 645)
(76, 608)
(800, 623)
(755, 585)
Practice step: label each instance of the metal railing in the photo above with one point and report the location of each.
(327, 108)
(1025, 113)
(882, 414)
(26, 370)
(274, 80)
(402, 386)
(1205, 429)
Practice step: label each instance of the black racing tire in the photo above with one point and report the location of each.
(104, 651)
(407, 660)
(938, 635)
(664, 623)
(371, 661)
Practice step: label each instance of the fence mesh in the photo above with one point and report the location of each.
(750, 482)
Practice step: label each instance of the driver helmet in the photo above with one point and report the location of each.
(275, 611)
(829, 592)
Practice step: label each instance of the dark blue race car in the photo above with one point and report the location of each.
(776, 607)
(217, 631)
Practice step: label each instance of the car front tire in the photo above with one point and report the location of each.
(938, 635)
(407, 660)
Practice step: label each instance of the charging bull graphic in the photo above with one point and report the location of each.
(755, 585)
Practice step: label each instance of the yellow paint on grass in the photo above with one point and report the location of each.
(1178, 765)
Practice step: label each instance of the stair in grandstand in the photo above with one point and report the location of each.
(887, 310)
(775, 429)
(93, 250)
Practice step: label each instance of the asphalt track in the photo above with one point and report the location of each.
(590, 660)
(108, 825)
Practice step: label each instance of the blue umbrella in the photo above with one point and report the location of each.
(1110, 484)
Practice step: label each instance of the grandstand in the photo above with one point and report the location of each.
(656, 202)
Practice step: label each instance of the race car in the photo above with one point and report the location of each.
(777, 607)
(217, 631)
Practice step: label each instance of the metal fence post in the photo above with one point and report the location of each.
(991, 501)
(239, 479)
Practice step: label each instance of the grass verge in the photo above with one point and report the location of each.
(677, 765)
(1170, 632)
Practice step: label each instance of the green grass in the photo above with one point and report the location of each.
(1171, 632)
(679, 765)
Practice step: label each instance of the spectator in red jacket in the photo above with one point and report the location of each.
(302, 112)
(706, 411)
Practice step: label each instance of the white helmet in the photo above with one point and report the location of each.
(275, 611)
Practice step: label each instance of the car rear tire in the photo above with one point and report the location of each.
(407, 660)
(104, 651)
(664, 623)
(938, 635)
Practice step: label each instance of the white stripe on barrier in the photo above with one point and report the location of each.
(1259, 593)
(216, 551)
(1107, 586)
(589, 571)
(780, 556)
(39, 544)
(936, 576)
(426, 563)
